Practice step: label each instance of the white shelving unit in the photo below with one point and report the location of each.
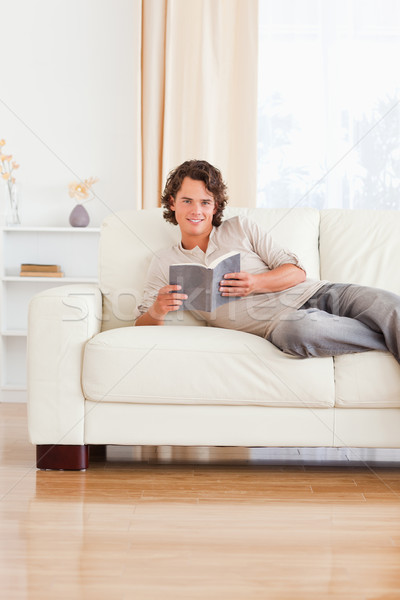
(74, 249)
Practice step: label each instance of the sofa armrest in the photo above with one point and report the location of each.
(60, 322)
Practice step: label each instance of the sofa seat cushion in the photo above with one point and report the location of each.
(367, 380)
(201, 365)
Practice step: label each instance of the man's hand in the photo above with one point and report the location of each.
(276, 280)
(168, 299)
(238, 284)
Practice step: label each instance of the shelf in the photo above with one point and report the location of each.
(74, 249)
(52, 279)
(51, 229)
(9, 387)
(15, 333)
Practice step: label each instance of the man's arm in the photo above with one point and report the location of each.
(167, 300)
(276, 280)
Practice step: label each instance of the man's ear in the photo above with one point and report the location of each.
(172, 203)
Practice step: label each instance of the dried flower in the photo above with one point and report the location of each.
(81, 190)
(6, 167)
(6, 172)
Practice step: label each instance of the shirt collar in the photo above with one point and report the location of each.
(196, 251)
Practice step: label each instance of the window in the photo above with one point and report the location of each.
(329, 103)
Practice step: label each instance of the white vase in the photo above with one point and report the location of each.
(12, 205)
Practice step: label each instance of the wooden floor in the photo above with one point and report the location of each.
(198, 524)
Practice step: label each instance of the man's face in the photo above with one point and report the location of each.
(194, 209)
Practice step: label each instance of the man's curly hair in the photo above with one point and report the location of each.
(200, 170)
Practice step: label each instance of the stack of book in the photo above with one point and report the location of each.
(35, 270)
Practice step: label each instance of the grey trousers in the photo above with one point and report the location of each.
(340, 319)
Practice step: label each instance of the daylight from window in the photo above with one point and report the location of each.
(329, 104)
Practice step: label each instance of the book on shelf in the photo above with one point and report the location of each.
(41, 274)
(38, 267)
(201, 283)
(37, 270)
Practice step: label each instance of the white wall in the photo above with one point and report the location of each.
(69, 90)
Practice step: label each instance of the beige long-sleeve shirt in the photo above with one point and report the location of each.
(256, 313)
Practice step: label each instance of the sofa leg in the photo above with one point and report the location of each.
(97, 452)
(59, 457)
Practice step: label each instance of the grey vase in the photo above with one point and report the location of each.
(79, 216)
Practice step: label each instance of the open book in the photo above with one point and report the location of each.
(201, 283)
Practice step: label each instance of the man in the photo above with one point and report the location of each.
(273, 297)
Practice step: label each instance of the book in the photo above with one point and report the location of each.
(201, 283)
(41, 274)
(42, 268)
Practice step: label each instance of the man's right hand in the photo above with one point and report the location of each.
(168, 299)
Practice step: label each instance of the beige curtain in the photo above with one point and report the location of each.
(199, 92)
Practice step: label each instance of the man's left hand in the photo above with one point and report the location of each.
(237, 284)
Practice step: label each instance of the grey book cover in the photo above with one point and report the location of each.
(201, 283)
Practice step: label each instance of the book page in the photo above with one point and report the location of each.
(215, 262)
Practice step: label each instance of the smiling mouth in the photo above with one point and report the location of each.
(195, 220)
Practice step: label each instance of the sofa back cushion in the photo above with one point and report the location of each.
(361, 246)
(130, 238)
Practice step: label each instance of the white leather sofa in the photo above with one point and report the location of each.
(95, 379)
